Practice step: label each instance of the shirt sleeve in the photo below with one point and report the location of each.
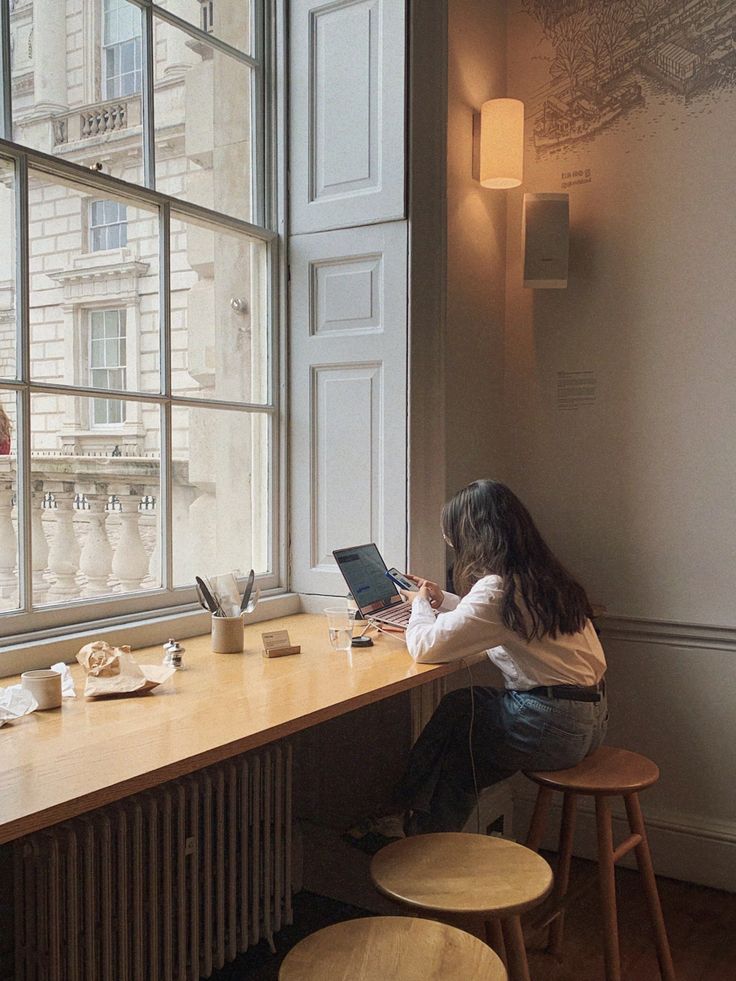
(449, 602)
(473, 626)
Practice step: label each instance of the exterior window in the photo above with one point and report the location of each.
(208, 15)
(121, 49)
(108, 225)
(137, 341)
(107, 364)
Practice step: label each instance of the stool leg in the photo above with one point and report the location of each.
(646, 870)
(607, 873)
(516, 961)
(539, 818)
(562, 872)
(494, 938)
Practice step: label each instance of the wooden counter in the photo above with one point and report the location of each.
(57, 764)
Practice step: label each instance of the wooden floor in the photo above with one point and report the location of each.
(701, 924)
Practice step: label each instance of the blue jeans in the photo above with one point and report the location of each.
(510, 731)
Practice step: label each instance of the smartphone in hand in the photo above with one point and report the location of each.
(401, 580)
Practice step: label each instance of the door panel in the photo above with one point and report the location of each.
(347, 113)
(348, 399)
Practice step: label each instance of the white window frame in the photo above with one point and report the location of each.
(29, 629)
(92, 226)
(207, 13)
(121, 318)
(111, 82)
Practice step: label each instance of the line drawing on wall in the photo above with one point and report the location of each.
(606, 56)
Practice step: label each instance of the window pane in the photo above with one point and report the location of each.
(9, 592)
(123, 49)
(97, 506)
(7, 270)
(97, 359)
(221, 500)
(74, 110)
(74, 290)
(107, 364)
(108, 224)
(219, 342)
(229, 20)
(203, 113)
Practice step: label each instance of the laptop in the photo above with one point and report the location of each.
(374, 593)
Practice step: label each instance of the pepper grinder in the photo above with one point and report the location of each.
(173, 653)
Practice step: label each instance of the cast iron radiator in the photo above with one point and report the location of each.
(167, 885)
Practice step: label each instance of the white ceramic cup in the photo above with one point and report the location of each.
(45, 686)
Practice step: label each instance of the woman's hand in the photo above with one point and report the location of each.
(427, 590)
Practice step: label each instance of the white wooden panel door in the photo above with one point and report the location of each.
(348, 399)
(347, 113)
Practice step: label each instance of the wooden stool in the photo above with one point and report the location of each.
(488, 881)
(398, 947)
(607, 772)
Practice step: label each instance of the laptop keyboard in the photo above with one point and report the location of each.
(399, 617)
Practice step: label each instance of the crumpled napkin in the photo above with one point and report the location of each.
(15, 702)
(67, 682)
(112, 671)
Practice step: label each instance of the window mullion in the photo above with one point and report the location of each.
(258, 115)
(6, 121)
(149, 124)
(166, 469)
(23, 355)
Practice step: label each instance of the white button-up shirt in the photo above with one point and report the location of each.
(473, 624)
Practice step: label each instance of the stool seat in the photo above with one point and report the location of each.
(607, 771)
(398, 947)
(462, 873)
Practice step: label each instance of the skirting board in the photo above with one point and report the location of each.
(680, 849)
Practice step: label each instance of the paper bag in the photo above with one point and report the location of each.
(112, 671)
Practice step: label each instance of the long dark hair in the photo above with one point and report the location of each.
(493, 533)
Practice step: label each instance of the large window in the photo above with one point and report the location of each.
(139, 425)
(121, 49)
(107, 364)
(108, 225)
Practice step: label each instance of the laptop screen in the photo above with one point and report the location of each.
(365, 573)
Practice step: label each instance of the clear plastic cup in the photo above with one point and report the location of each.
(340, 627)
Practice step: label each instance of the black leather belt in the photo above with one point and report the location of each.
(572, 693)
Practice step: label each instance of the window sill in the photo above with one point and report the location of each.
(143, 633)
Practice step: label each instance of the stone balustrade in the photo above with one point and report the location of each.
(100, 119)
(94, 526)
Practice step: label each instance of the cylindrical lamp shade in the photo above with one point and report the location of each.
(501, 143)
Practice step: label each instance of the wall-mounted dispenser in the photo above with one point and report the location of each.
(546, 240)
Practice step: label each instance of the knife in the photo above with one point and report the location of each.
(200, 597)
(209, 599)
(248, 590)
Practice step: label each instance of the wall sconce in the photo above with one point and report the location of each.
(499, 143)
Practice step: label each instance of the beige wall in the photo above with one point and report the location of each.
(476, 246)
(636, 490)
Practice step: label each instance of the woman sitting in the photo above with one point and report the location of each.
(519, 605)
